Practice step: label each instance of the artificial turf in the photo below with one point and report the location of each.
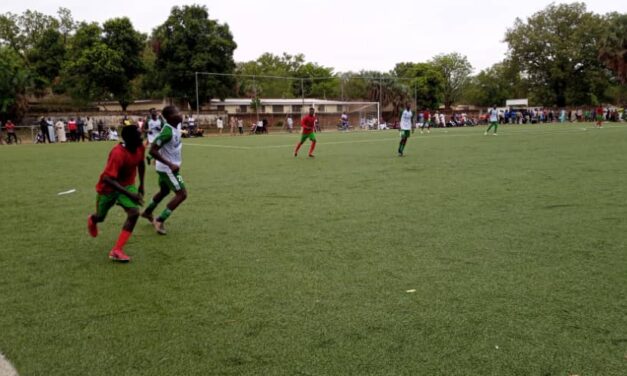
(471, 255)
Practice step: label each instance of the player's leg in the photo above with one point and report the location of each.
(103, 204)
(176, 184)
(164, 190)
(401, 145)
(303, 138)
(132, 214)
(312, 138)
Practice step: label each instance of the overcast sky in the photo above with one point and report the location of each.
(343, 34)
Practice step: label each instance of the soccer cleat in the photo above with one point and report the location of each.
(147, 216)
(311, 156)
(494, 134)
(400, 154)
(485, 133)
(92, 227)
(296, 154)
(118, 255)
(159, 227)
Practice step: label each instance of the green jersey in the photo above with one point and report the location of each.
(170, 146)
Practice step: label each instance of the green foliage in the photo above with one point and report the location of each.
(269, 65)
(456, 70)
(187, 42)
(613, 46)
(494, 85)
(14, 81)
(46, 58)
(557, 48)
(426, 85)
(317, 81)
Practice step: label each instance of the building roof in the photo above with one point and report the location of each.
(285, 102)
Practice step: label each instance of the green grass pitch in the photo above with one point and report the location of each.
(514, 247)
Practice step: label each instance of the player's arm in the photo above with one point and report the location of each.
(164, 137)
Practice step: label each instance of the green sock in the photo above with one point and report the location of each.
(496, 126)
(165, 214)
(151, 206)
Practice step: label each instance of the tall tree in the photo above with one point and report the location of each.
(557, 49)
(14, 82)
(187, 42)
(613, 46)
(120, 36)
(494, 85)
(456, 70)
(426, 81)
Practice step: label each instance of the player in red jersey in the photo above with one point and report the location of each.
(308, 127)
(117, 186)
(599, 116)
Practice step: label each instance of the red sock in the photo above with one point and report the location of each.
(312, 147)
(122, 239)
(298, 148)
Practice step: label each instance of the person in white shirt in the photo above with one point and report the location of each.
(220, 124)
(494, 120)
(406, 126)
(290, 123)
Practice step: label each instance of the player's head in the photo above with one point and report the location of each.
(312, 111)
(407, 106)
(131, 136)
(153, 113)
(172, 115)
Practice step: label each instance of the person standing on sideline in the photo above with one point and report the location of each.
(1, 135)
(59, 128)
(493, 115)
(599, 116)
(10, 127)
(80, 126)
(100, 126)
(71, 127)
(43, 127)
(407, 119)
(220, 124)
(344, 121)
(240, 126)
(308, 125)
(89, 127)
(154, 124)
(290, 123)
(166, 150)
(50, 128)
(232, 125)
(117, 186)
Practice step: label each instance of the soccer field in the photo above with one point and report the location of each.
(471, 255)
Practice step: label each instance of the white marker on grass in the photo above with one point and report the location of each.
(66, 192)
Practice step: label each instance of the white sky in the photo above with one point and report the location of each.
(343, 34)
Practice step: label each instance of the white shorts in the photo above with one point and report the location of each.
(220, 126)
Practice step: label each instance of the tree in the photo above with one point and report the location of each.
(317, 82)
(613, 46)
(187, 42)
(120, 36)
(495, 85)
(557, 50)
(14, 82)
(269, 65)
(426, 83)
(456, 70)
(46, 59)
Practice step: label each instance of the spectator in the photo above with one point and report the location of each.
(219, 123)
(100, 126)
(113, 134)
(10, 127)
(80, 129)
(232, 124)
(89, 127)
(125, 121)
(290, 123)
(43, 127)
(72, 128)
(1, 136)
(191, 125)
(50, 128)
(240, 126)
(59, 128)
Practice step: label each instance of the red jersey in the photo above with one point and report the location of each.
(121, 166)
(10, 127)
(71, 125)
(600, 111)
(308, 124)
(426, 115)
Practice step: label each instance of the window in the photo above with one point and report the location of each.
(220, 108)
(243, 109)
(263, 109)
(277, 109)
(297, 109)
(340, 108)
(321, 108)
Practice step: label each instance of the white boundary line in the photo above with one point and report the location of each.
(509, 133)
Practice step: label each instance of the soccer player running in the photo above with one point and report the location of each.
(308, 125)
(407, 118)
(166, 150)
(117, 186)
(494, 120)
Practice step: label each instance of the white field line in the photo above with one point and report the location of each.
(437, 134)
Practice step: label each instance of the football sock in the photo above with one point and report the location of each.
(165, 214)
(298, 148)
(151, 206)
(311, 148)
(122, 239)
(496, 126)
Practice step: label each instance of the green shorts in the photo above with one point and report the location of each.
(311, 136)
(405, 133)
(599, 117)
(106, 202)
(173, 181)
